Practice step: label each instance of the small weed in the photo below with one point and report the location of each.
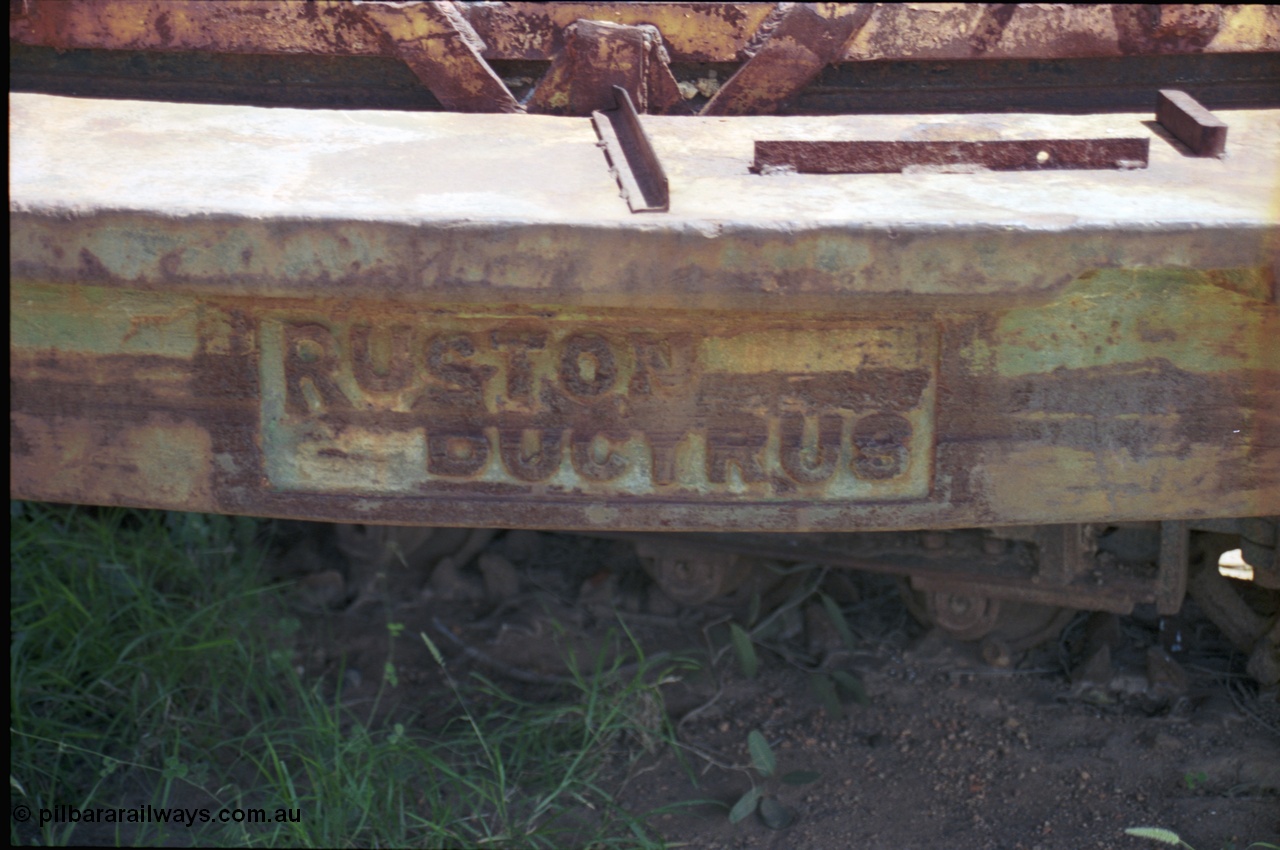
(772, 812)
(1194, 780)
(831, 688)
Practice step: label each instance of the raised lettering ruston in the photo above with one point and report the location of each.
(310, 369)
(522, 400)
(518, 344)
(663, 363)
(464, 382)
(588, 366)
(396, 373)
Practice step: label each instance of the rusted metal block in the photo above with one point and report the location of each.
(871, 157)
(599, 55)
(1192, 124)
(282, 312)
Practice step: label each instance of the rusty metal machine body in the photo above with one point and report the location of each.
(1049, 325)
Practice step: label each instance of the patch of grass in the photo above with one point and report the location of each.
(148, 667)
(124, 657)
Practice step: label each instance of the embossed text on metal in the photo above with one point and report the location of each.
(625, 407)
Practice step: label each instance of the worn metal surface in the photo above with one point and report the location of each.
(1193, 125)
(872, 157)
(283, 312)
(781, 47)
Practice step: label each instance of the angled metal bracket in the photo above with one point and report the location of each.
(631, 155)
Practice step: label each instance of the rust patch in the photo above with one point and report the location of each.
(597, 56)
(1166, 28)
(991, 26)
(877, 157)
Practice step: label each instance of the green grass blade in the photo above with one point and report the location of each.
(745, 650)
(837, 619)
(1164, 836)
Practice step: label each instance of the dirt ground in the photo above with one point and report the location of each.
(1047, 752)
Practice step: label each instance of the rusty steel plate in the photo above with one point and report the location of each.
(870, 157)
(456, 320)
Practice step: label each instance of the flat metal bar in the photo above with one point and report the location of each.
(887, 157)
(631, 156)
(1190, 123)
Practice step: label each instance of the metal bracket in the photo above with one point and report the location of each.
(631, 155)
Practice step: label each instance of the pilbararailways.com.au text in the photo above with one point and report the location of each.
(174, 815)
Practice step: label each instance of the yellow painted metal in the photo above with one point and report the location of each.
(639, 419)
(455, 320)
